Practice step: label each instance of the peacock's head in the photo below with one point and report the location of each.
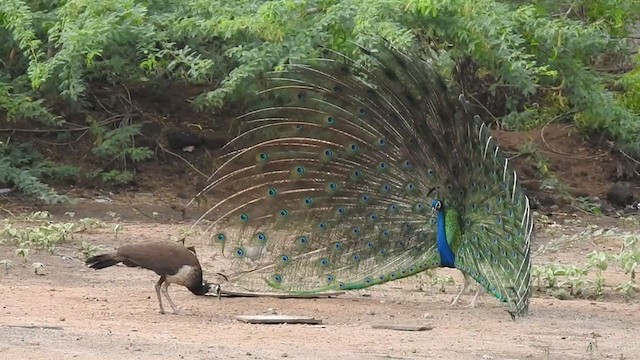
(436, 205)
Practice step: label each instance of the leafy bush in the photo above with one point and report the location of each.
(631, 82)
(117, 144)
(36, 231)
(24, 167)
(549, 52)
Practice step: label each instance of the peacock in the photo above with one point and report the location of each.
(352, 173)
(464, 287)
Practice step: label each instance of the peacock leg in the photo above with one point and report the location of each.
(475, 298)
(464, 287)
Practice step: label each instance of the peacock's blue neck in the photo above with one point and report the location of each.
(447, 257)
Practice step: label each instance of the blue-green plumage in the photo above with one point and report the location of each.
(346, 177)
(447, 257)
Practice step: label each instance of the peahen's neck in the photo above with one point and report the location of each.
(447, 257)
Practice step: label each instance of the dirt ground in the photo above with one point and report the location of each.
(71, 311)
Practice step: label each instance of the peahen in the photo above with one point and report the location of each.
(349, 176)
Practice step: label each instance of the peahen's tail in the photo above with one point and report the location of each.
(102, 261)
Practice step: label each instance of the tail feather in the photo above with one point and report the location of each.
(102, 261)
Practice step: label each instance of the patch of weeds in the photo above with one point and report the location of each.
(430, 278)
(184, 233)
(540, 163)
(561, 281)
(90, 223)
(441, 282)
(575, 280)
(36, 266)
(22, 252)
(37, 232)
(592, 347)
(6, 263)
(89, 250)
(600, 262)
(629, 260)
(628, 290)
(117, 228)
(554, 184)
(571, 281)
(588, 204)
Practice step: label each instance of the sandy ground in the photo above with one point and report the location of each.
(70, 311)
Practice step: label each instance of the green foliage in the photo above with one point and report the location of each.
(45, 235)
(89, 250)
(117, 144)
(571, 281)
(37, 232)
(544, 52)
(6, 264)
(21, 106)
(36, 266)
(615, 15)
(540, 162)
(22, 166)
(589, 205)
(631, 82)
(629, 257)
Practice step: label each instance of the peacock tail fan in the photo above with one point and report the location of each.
(333, 180)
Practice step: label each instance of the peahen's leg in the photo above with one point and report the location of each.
(464, 287)
(158, 284)
(165, 291)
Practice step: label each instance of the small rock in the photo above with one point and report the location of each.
(620, 194)
(62, 319)
(546, 200)
(183, 139)
(633, 208)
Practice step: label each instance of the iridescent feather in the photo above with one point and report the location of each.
(347, 177)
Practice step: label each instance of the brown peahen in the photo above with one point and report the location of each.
(174, 263)
(347, 177)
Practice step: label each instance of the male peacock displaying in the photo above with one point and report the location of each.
(348, 178)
